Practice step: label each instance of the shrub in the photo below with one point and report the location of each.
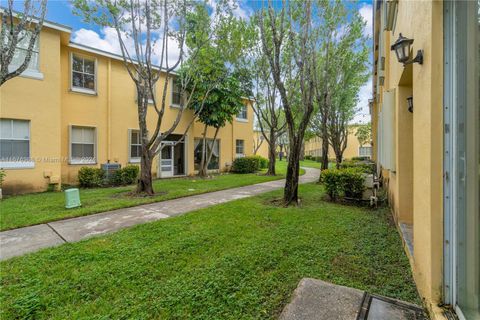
(352, 182)
(90, 177)
(343, 182)
(245, 165)
(364, 166)
(360, 158)
(262, 162)
(331, 178)
(126, 175)
(308, 157)
(2, 176)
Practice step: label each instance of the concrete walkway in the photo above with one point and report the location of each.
(20, 241)
(318, 300)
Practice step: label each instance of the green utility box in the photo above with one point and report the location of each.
(72, 198)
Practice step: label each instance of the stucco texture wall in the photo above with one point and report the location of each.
(415, 187)
(38, 101)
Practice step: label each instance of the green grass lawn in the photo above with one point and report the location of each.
(238, 260)
(31, 209)
(315, 164)
(310, 164)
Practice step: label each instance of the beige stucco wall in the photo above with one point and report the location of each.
(415, 187)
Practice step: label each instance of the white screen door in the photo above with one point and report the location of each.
(166, 160)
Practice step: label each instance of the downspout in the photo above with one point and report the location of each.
(109, 109)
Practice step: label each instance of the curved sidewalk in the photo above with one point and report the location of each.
(21, 241)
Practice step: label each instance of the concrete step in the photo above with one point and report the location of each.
(318, 300)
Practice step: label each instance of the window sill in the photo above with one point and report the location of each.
(75, 162)
(134, 160)
(241, 120)
(17, 164)
(176, 106)
(84, 91)
(28, 73)
(240, 155)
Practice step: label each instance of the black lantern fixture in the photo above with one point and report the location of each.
(410, 104)
(402, 50)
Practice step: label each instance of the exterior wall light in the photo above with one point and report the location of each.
(410, 104)
(402, 50)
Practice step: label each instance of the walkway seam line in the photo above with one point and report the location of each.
(57, 233)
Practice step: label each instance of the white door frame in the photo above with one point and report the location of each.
(161, 173)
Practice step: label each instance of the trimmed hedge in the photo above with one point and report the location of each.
(262, 162)
(364, 166)
(95, 177)
(91, 177)
(245, 165)
(126, 175)
(347, 182)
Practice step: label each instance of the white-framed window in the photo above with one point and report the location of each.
(240, 148)
(242, 114)
(84, 76)
(176, 92)
(135, 146)
(83, 145)
(15, 144)
(21, 50)
(364, 151)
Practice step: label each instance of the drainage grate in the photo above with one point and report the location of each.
(379, 308)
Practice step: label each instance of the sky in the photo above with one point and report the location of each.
(60, 11)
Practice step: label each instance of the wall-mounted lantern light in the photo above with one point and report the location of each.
(410, 104)
(402, 50)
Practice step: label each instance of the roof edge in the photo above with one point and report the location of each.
(46, 23)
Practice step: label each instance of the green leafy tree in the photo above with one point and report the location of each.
(223, 103)
(221, 84)
(267, 107)
(342, 67)
(351, 58)
(364, 134)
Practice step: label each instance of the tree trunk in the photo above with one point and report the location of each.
(271, 155)
(202, 172)
(324, 164)
(338, 158)
(145, 184)
(290, 194)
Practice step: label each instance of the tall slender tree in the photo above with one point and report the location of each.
(269, 113)
(289, 43)
(351, 57)
(341, 67)
(19, 34)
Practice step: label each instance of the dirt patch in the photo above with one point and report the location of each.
(279, 202)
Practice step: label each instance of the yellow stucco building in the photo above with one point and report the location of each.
(313, 147)
(426, 142)
(75, 106)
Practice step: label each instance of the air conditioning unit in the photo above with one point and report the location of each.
(110, 169)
